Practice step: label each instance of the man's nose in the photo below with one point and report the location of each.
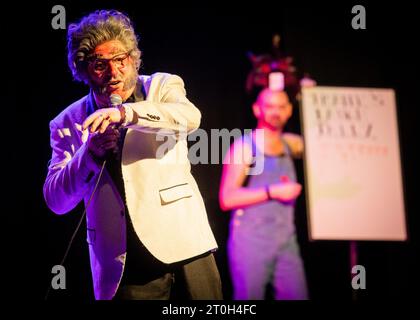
(112, 69)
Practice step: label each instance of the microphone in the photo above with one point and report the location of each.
(115, 100)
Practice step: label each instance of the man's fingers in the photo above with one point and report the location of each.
(109, 132)
(109, 145)
(96, 123)
(104, 126)
(88, 121)
(96, 118)
(105, 139)
(109, 139)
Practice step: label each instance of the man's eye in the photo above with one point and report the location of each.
(119, 61)
(99, 65)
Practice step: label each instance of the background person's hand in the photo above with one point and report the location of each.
(285, 191)
(99, 144)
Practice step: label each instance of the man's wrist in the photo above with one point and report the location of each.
(126, 115)
(122, 114)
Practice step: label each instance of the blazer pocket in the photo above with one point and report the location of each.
(175, 193)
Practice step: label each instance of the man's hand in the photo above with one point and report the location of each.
(295, 142)
(102, 118)
(285, 191)
(99, 143)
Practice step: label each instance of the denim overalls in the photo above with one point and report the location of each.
(262, 245)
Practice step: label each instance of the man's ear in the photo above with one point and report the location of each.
(256, 109)
(289, 110)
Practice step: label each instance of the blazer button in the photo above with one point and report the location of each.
(122, 213)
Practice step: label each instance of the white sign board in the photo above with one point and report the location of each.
(352, 164)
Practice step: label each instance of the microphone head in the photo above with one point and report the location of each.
(115, 100)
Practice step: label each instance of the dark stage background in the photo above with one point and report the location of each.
(207, 46)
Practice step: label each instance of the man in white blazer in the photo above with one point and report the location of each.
(146, 220)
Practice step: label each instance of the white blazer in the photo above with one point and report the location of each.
(164, 202)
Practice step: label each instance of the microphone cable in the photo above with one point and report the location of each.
(79, 224)
(115, 101)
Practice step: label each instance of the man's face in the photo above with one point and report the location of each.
(273, 109)
(112, 71)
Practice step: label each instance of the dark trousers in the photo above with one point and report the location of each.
(197, 279)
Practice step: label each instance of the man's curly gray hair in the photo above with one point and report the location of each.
(92, 30)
